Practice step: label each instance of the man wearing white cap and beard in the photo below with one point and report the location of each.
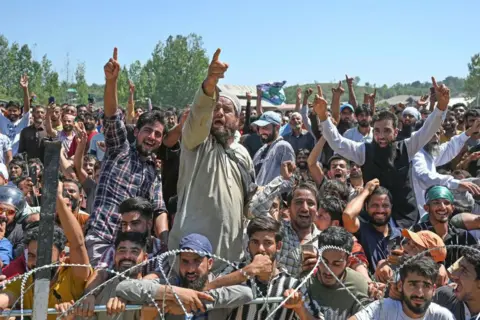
(212, 197)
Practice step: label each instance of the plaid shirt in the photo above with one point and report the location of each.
(155, 248)
(125, 174)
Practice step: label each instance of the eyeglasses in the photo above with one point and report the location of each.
(8, 212)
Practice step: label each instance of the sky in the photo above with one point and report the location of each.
(382, 42)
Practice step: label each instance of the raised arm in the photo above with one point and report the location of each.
(354, 207)
(352, 99)
(259, 102)
(26, 94)
(336, 96)
(369, 98)
(82, 140)
(433, 122)
(313, 166)
(52, 133)
(353, 151)
(111, 69)
(298, 100)
(198, 124)
(74, 234)
(174, 135)
(130, 116)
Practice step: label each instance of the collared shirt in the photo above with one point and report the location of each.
(154, 249)
(66, 140)
(444, 138)
(5, 145)
(32, 142)
(303, 141)
(375, 244)
(124, 174)
(13, 129)
(355, 135)
(455, 236)
(268, 160)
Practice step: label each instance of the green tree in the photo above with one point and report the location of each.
(122, 87)
(472, 84)
(81, 84)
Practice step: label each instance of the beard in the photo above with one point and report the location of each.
(74, 202)
(302, 165)
(344, 125)
(432, 148)
(89, 126)
(13, 117)
(407, 130)
(378, 223)
(223, 134)
(133, 273)
(418, 310)
(364, 123)
(68, 128)
(267, 139)
(197, 284)
(356, 174)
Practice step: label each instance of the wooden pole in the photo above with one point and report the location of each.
(47, 222)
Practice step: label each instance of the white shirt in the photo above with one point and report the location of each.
(12, 129)
(355, 135)
(391, 309)
(424, 170)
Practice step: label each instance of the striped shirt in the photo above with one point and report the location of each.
(124, 174)
(455, 236)
(276, 288)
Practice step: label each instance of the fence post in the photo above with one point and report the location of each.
(47, 221)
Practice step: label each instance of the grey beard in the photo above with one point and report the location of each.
(222, 137)
(432, 149)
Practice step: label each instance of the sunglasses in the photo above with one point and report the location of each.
(8, 212)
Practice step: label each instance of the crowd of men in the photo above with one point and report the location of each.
(377, 207)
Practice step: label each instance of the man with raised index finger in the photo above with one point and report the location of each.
(384, 158)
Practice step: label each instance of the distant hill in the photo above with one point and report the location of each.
(416, 88)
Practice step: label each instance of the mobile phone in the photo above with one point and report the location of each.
(33, 174)
(306, 248)
(51, 100)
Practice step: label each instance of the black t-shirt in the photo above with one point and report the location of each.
(170, 169)
(252, 143)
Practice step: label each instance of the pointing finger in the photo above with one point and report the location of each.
(216, 55)
(115, 53)
(320, 92)
(339, 84)
(375, 92)
(435, 85)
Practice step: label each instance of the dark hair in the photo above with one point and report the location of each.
(59, 239)
(337, 157)
(303, 185)
(385, 115)
(362, 109)
(424, 266)
(150, 117)
(139, 204)
(472, 255)
(458, 105)
(334, 207)
(471, 113)
(335, 189)
(78, 184)
(265, 223)
(89, 115)
(380, 191)
(337, 237)
(13, 104)
(172, 204)
(97, 166)
(425, 111)
(36, 161)
(169, 113)
(135, 237)
(38, 106)
(90, 157)
(81, 106)
(303, 152)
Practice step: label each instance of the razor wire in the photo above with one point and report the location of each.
(160, 258)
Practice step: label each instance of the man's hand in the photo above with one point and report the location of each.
(371, 186)
(63, 307)
(384, 272)
(470, 187)
(191, 299)
(320, 106)
(261, 266)
(248, 95)
(299, 94)
(287, 169)
(24, 81)
(184, 117)
(308, 92)
(81, 138)
(131, 86)
(309, 260)
(112, 68)
(86, 308)
(442, 93)
(216, 71)
(370, 97)
(349, 81)
(338, 91)
(376, 290)
(295, 302)
(423, 101)
(115, 305)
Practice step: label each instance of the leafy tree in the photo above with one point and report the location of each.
(472, 84)
(81, 84)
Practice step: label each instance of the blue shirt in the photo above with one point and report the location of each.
(375, 244)
(6, 251)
